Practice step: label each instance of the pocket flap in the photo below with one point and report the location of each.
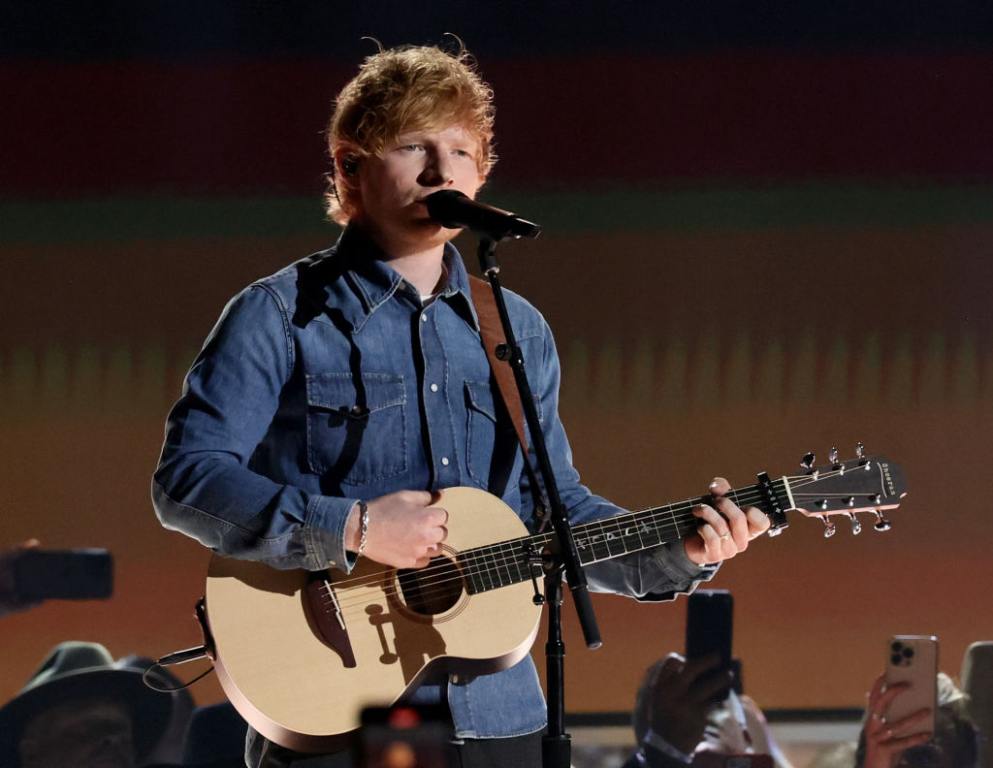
(342, 392)
(479, 397)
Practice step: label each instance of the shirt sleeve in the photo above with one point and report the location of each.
(204, 486)
(660, 573)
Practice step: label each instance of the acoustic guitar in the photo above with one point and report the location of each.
(300, 653)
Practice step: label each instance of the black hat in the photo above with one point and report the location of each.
(78, 669)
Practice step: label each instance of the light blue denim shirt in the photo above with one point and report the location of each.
(330, 381)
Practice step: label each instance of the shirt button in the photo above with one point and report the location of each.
(434, 387)
(424, 318)
(444, 461)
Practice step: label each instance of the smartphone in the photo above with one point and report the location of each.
(405, 736)
(913, 659)
(709, 622)
(63, 574)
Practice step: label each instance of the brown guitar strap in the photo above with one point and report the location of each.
(491, 329)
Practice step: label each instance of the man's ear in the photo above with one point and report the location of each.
(346, 166)
(346, 171)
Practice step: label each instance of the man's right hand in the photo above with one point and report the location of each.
(405, 531)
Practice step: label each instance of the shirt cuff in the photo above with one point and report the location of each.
(678, 566)
(324, 533)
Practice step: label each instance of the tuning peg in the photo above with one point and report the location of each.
(856, 524)
(829, 527)
(860, 451)
(833, 458)
(807, 462)
(882, 524)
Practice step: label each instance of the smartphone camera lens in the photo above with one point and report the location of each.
(908, 653)
(897, 646)
(896, 659)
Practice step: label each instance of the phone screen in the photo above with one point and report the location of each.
(66, 574)
(709, 622)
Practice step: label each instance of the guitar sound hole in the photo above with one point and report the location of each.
(433, 589)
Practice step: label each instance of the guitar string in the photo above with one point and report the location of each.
(666, 510)
(510, 548)
(514, 558)
(511, 554)
(504, 554)
(745, 496)
(435, 584)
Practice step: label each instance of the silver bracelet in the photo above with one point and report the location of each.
(363, 527)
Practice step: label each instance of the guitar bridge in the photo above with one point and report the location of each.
(325, 616)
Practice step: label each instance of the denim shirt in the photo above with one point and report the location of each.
(331, 381)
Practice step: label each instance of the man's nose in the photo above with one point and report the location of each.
(438, 171)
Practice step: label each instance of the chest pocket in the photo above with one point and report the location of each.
(490, 442)
(356, 428)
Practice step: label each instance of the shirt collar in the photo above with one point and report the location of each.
(364, 267)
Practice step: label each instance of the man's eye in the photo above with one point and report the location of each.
(462, 153)
(412, 147)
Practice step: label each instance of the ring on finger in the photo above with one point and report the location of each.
(726, 536)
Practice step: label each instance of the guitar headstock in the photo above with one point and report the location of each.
(870, 484)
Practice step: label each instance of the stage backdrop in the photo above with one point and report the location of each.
(756, 244)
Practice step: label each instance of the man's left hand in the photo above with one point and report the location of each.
(726, 529)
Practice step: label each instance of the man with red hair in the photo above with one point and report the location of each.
(335, 398)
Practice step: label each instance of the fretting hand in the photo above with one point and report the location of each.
(726, 529)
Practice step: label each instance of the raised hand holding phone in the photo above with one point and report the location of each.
(901, 708)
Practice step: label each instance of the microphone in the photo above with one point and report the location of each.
(454, 210)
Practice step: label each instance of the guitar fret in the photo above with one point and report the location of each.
(492, 570)
(483, 571)
(613, 535)
(503, 567)
(674, 523)
(518, 556)
(581, 535)
(637, 530)
(599, 544)
(468, 573)
(650, 528)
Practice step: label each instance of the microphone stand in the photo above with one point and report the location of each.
(561, 558)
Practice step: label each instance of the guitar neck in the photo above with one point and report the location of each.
(510, 562)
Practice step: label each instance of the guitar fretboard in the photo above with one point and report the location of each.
(511, 562)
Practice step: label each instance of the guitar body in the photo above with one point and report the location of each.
(300, 655)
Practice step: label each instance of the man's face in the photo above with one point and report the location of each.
(392, 188)
(93, 733)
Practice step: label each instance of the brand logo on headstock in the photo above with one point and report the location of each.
(887, 480)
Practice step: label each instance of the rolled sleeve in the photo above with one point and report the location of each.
(204, 485)
(325, 533)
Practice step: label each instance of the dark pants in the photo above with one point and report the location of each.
(516, 752)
